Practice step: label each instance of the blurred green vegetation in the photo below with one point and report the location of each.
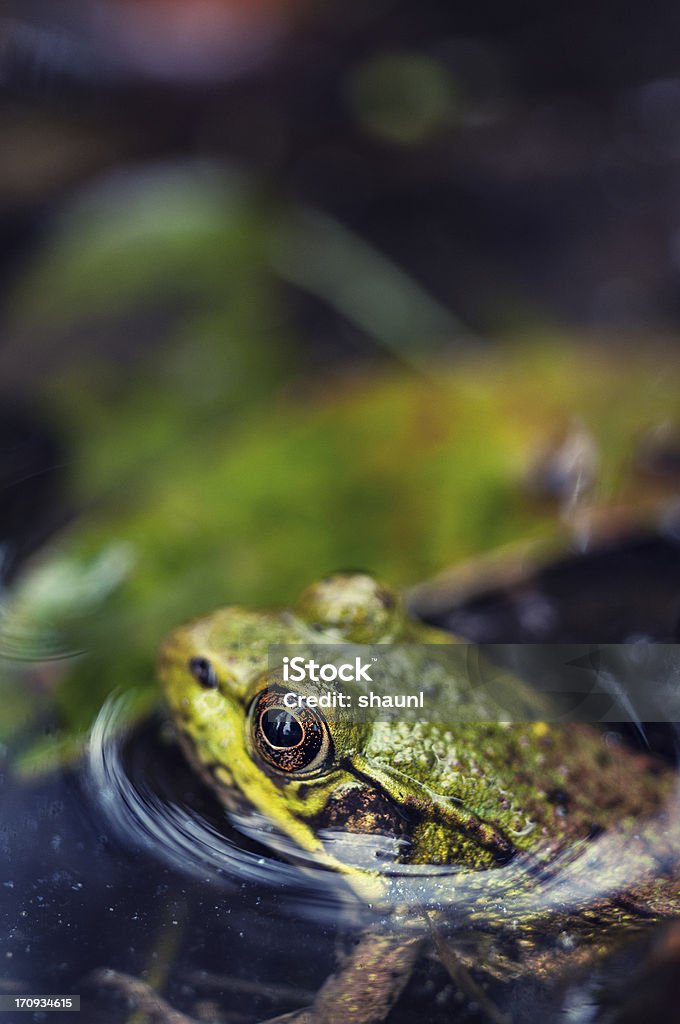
(210, 467)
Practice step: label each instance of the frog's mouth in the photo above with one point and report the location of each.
(215, 777)
(416, 807)
(381, 800)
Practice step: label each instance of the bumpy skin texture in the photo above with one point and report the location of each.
(562, 841)
(474, 794)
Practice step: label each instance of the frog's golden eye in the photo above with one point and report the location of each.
(204, 673)
(294, 741)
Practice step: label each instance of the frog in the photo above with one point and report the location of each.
(523, 813)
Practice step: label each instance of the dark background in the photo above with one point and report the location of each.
(549, 190)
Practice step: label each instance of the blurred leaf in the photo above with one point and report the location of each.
(184, 231)
(321, 256)
(206, 246)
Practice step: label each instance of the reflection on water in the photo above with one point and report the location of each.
(151, 799)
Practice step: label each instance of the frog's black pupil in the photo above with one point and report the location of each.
(202, 670)
(281, 729)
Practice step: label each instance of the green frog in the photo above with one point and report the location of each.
(554, 839)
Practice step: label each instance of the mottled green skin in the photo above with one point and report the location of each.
(581, 836)
(473, 795)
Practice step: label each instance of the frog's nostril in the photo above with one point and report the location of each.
(204, 673)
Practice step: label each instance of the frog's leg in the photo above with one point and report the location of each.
(140, 995)
(464, 981)
(367, 986)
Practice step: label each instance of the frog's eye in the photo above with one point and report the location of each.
(294, 741)
(204, 673)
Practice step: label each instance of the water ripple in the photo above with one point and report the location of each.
(135, 783)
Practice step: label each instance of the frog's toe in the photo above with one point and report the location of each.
(306, 1016)
(366, 987)
(140, 995)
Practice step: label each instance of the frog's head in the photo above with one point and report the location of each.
(307, 770)
(295, 766)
